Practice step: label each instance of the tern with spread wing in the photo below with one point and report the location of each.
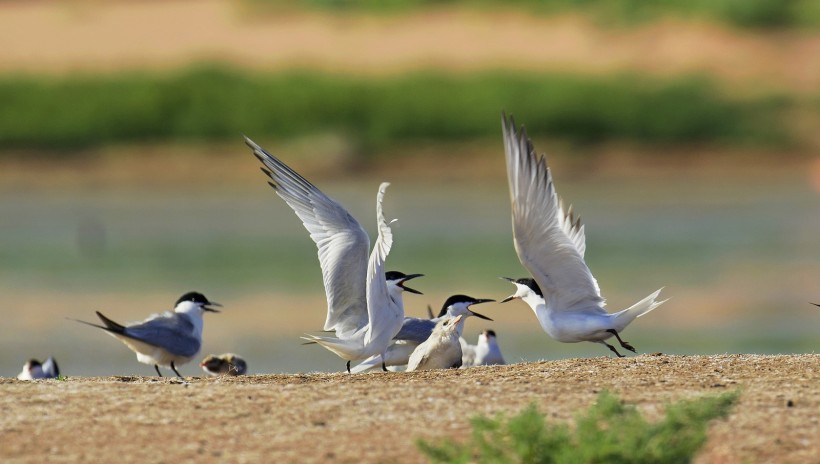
(169, 339)
(550, 243)
(364, 303)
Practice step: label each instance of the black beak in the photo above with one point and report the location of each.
(408, 289)
(479, 301)
(507, 279)
(211, 303)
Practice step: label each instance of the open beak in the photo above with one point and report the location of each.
(211, 303)
(511, 297)
(408, 289)
(480, 316)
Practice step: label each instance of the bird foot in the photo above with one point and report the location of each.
(623, 343)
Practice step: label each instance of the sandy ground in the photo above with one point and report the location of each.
(377, 417)
(57, 36)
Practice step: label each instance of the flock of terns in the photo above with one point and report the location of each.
(365, 306)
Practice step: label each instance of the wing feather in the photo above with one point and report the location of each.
(377, 296)
(173, 332)
(549, 242)
(342, 243)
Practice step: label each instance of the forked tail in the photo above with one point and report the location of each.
(625, 317)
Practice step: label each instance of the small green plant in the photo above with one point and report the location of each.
(609, 431)
(61, 378)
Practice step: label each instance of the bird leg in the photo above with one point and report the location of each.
(175, 370)
(623, 343)
(384, 367)
(348, 367)
(157, 368)
(612, 348)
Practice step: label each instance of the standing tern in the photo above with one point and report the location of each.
(441, 350)
(224, 364)
(550, 243)
(34, 369)
(484, 353)
(415, 331)
(364, 303)
(169, 339)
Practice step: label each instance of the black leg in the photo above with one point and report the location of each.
(175, 369)
(384, 367)
(613, 349)
(623, 343)
(348, 367)
(157, 368)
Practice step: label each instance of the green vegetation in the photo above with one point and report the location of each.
(609, 431)
(742, 13)
(211, 103)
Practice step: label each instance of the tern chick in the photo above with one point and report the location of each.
(224, 364)
(550, 243)
(34, 369)
(415, 331)
(441, 350)
(169, 339)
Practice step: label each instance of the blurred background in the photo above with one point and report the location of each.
(685, 133)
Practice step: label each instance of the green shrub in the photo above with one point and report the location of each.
(216, 103)
(608, 432)
(741, 13)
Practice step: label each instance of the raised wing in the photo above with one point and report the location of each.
(172, 331)
(550, 243)
(342, 243)
(377, 297)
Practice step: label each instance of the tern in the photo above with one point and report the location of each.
(224, 364)
(364, 303)
(34, 369)
(485, 353)
(169, 339)
(415, 331)
(550, 243)
(441, 350)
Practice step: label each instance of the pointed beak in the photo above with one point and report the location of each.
(507, 279)
(408, 289)
(457, 319)
(509, 298)
(480, 316)
(211, 303)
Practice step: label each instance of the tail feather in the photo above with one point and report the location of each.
(110, 325)
(625, 317)
(343, 349)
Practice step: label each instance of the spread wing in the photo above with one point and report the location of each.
(342, 243)
(377, 297)
(549, 242)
